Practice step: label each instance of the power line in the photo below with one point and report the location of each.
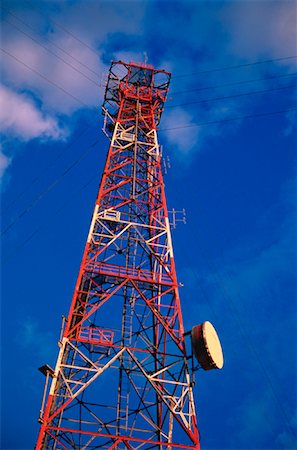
(173, 93)
(52, 53)
(40, 174)
(169, 106)
(216, 69)
(246, 335)
(199, 89)
(41, 195)
(66, 31)
(232, 96)
(38, 229)
(44, 77)
(57, 180)
(51, 42)
(181, 92)
(236, 66)
(167, 129)
(235, 83)
(231, 119)
(177, 76)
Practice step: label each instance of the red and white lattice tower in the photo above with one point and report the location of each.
(122, 378)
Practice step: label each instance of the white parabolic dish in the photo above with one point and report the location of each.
(212, 344)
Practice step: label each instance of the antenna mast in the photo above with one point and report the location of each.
(122, 378)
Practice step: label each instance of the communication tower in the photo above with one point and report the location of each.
(123, 378)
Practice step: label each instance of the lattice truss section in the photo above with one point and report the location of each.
(122, 378)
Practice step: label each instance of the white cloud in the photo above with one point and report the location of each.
(61, 88)
(91, 23)
(182, 128)
(19, 117)
(262, 29)
(181, 139)
(58, 71)
(241, 32)
(69, 79)
(4, 162)
(64, 86)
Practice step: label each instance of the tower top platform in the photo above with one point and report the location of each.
(136, 82)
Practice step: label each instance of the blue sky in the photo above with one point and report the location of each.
(236, 256)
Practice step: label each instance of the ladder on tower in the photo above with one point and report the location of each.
(125, 364)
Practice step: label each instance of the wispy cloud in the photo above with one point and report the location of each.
(291, 123)
(184, 134)
(4, 162)
(253, 294)
(284, 438)
(259, 269)
(239, 33)
(258, 415)
(62, 85)
(21, 118)
(262, 32)
(94, 46)
(52, 66)
(56, 58)
(31, 336)
(181, 138)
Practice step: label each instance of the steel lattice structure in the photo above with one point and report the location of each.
(122, 378)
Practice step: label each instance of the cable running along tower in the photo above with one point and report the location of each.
(122, 378)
